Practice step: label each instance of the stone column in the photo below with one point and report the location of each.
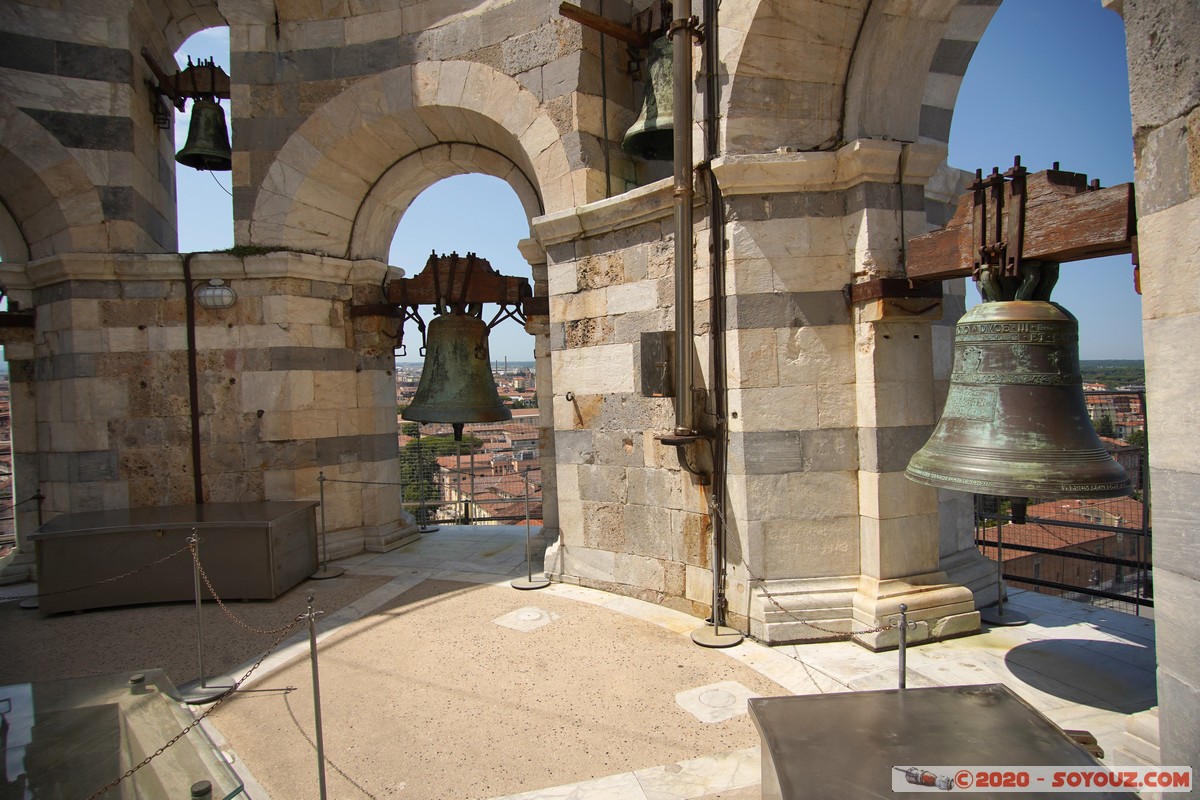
(20, 564)
(827, 402)
(539, 328)
(1164, 81)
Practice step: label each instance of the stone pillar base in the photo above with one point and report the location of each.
(802, 610)
(939, 609)
(18, 566)
(388, 537)
(974, 570)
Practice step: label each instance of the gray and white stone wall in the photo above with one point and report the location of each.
(1164, 80)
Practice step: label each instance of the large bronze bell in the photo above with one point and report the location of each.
(456, 384)
(652, 134)
(1015, 422)
(207, 145)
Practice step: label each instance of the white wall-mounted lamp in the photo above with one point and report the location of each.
(215, 294)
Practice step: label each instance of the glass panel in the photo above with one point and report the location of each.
(71, 738)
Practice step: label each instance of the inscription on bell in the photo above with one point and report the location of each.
(1025, 332)
(972, 402)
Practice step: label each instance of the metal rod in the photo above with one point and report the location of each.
(469, 512)
(999, 568)
(318, 737)
(194, 541)
(422, 487)
(903, 645)
(528, 551)
(324, 543)
(684, 313)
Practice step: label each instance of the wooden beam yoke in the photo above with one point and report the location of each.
(1065, 219)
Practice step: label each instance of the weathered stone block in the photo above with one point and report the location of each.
(602, 483)
(899, 547)
(810, 548)
(604, 369)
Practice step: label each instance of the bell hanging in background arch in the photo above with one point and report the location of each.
(1015, 422)
(652, 135)
(456, 383)
(207, 145)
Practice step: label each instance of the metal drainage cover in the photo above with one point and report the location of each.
(526, 619)
(716, 702)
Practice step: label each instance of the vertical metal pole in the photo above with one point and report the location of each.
(324, 571)
(528, 551)
(999, 566)
(422, 488)
(529, 582)
(472, 483)
(458, 481)
(903, 645)
(324, 544)
(682, 76)
(1144, 539)
(194, 540)
(318, 737)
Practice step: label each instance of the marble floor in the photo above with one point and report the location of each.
(1083, 667)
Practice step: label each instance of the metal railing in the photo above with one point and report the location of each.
(1091, 551)
(492, 477)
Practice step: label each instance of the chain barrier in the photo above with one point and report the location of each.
(265, 631)
(364, 483)
(716, 511)
(15, 506)
(101, 582)
(313, 745)
(237, 684)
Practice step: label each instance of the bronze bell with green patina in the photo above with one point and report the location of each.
(652, 134)
(456, 385)
(1015, 422)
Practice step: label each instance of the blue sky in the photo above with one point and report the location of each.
(1048, 82)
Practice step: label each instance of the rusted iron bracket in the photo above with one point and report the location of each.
(604, 25)
(466, 282)
(1008, 219)
(201, 81)
(891, 289)
(458, 280)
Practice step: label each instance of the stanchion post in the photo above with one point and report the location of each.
(903, 645)
(421, 488)
(997, 615)
(528, 582)
(324, 571)
(198, 691)
(316, 679)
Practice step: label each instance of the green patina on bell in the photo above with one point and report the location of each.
(1015, 422)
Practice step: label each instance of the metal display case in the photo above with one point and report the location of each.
(249, 551)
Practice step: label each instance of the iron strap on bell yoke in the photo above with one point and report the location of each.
(456, 385)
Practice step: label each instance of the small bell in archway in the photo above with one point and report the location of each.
(652, 135)
(456, 384)
(207, 145)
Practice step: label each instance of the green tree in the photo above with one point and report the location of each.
(1137, 439)
(1105, 426)
(410, 428)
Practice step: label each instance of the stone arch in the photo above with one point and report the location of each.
(788, 61)
(52, 201)
(13, 249)
(395, 190)
(907, 69)
(330, 182)
(867, 69)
